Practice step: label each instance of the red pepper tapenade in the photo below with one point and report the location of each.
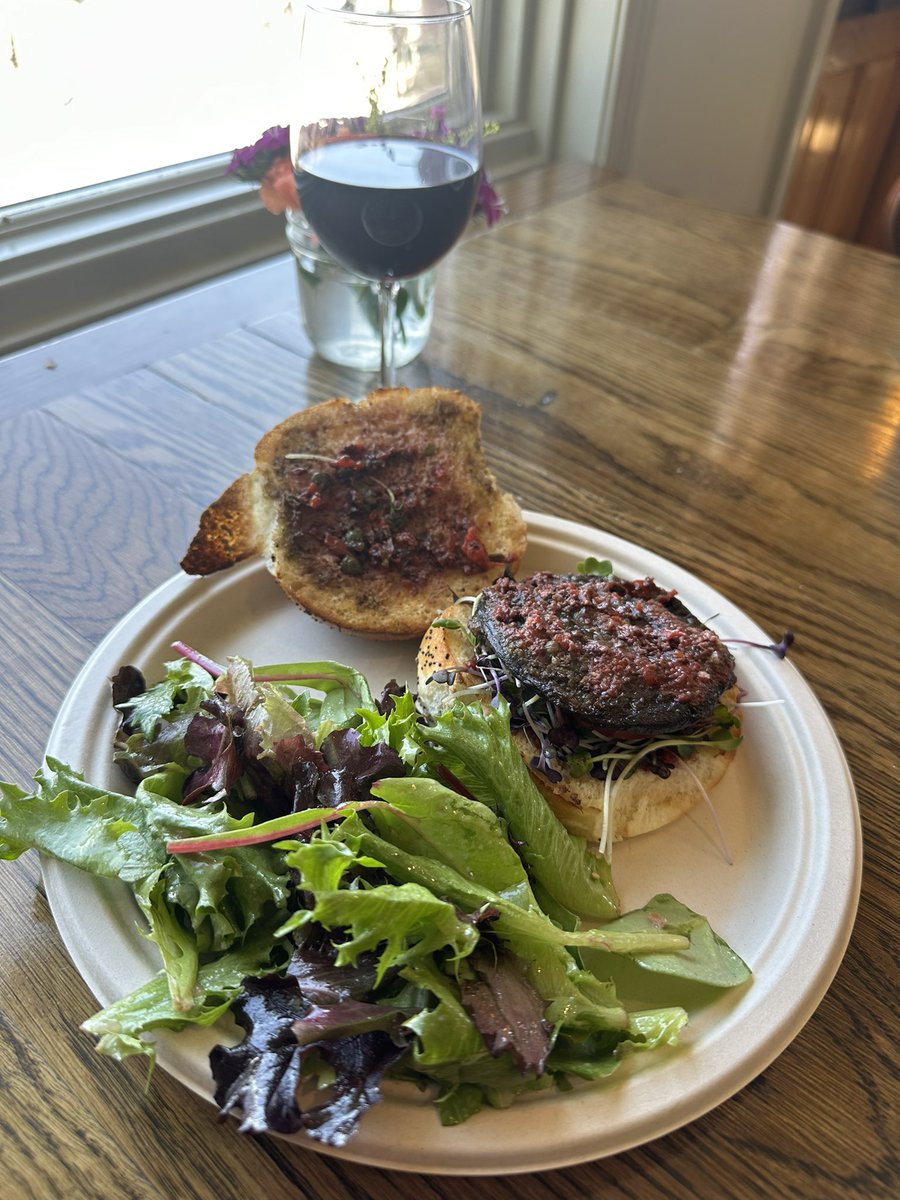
(626, 657)
(390, 508)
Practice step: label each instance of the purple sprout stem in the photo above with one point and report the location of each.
(779, 649)
(201, 660)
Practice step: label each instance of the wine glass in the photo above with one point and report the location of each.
(386, 137)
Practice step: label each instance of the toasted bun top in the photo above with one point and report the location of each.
(371, 515)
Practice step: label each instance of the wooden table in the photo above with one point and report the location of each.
(720, 390)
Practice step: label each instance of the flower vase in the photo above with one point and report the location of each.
(340, 310)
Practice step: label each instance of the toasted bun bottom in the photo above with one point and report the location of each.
(639, 803)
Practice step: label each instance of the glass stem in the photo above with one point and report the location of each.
(387, 304)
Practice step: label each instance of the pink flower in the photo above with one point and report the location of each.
(278, 189)
(252, 162)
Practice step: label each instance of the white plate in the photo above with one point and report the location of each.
(786, 905)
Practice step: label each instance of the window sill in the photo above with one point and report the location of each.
(110, 248)
(71, 260)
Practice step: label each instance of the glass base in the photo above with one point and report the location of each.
(340, 310)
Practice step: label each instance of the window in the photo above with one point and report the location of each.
(114, 88)
(126, 113)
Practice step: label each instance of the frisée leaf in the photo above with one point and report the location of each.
(184, 685)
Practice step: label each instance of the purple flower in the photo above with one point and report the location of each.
(488, 203)
(252, 162)
(439, 129)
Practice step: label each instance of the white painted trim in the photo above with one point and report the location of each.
(589, 78)
(106, 249)
(709, 97)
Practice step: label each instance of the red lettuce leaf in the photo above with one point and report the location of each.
(359, 1064)
(261, 1075)
(506, 1010)
(314, 1007)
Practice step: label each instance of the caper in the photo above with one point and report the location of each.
(350, 565)
(353, 537)
(552, 647)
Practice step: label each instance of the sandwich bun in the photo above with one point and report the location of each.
(640, 802)
(370, 515)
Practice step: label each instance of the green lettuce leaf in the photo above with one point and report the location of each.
(397, 728)
(185, 684)
(574, 997)
(427, 819)
(458, 844)
(597, 1056)
(397, 923)
(345, 691)
(475, 744)
(121, 1028)
(103, 832)
(445, 1032)
(708, 960)
(193, 904)
(267, 710)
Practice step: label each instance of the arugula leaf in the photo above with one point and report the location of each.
(690, 979)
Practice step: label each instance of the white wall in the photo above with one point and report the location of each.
(589, 81)
(711, 95)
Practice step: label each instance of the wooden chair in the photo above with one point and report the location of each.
(847, 164)
(891, 218)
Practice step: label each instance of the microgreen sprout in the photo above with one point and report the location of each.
(779, 649)
(342, 461)
(325, 458)
(594, 566)
(723, 843)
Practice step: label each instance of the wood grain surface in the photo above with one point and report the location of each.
(722, 391)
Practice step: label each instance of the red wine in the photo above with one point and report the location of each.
(387, 208)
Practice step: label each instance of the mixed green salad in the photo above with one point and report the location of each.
(368, 894)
